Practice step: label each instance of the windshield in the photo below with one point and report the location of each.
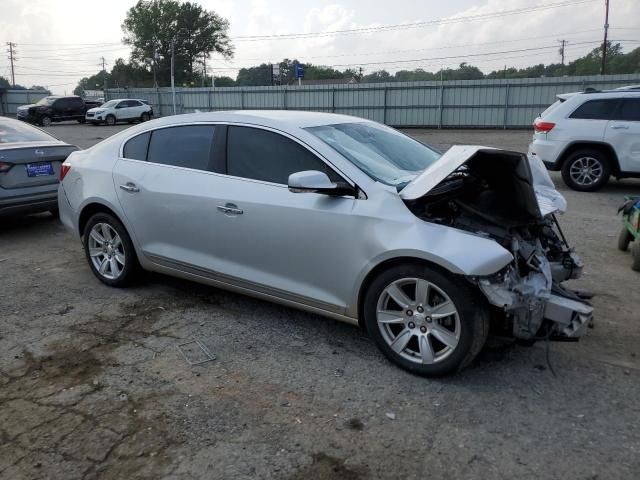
(11, 132)
(110, 103)
(383, 153)
(46, 101)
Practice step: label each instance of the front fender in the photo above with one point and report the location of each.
(456, 251)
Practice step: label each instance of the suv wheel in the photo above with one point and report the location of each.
(144, 117)
(427, 322)
(109, 250)
(110, 120)
(45, 121)
(586, 170)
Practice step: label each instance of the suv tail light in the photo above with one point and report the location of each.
(543, 127)
(5, 167)
(64, 169)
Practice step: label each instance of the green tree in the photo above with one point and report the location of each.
(224, 82)
(151, 26)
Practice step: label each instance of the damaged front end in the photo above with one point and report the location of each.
(511, 199)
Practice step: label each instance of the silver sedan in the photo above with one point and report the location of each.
(335, 215)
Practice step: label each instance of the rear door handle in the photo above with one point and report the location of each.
(230, 209)
(130, 187)
(620, 127)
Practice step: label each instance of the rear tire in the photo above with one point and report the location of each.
(109, 250)
(635, 254)
(110, 120)
(586, 170)
(434, 333)
(45, 121)
(624, 239)
(55, 212)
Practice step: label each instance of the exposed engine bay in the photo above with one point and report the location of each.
(504, 196)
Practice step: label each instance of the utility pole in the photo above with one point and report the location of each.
(204, 68)
(12, 53)
(563, 44)
(604, 43)
(104, 77)
(173, 84)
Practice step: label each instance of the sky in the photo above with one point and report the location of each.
(60, 41)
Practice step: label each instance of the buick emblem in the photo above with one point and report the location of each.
(39, 152)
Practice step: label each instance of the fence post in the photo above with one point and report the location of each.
(441, 107)
(159, 101)
(241, 98)
(384, 107)
(506, 108)
(333, 99)
(284, 97)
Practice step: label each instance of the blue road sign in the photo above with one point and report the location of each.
(299, 70)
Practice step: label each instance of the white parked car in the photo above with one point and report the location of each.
(120, 110)
(590, 136)
(339, 216)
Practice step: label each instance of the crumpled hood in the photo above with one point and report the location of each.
(26, 107)
(96, 109)
(549, 199)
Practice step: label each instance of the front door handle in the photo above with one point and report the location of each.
(620, 127)
(230, 209)
(130, 187)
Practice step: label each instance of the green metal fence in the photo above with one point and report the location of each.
(501, 103)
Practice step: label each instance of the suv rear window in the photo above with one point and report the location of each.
(596, 109)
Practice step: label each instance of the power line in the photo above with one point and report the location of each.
(442, 21)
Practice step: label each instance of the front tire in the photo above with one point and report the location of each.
(144, 117)
(110, 120)
(109, 250)
(428, 322)
(635, 255)
(586, 170)
(45, 121)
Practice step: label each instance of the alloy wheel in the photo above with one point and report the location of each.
(418, 320)
(106, 251)
(586, 171)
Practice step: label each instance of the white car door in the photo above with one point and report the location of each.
(589, 121)
(121, 110)
(623, 134)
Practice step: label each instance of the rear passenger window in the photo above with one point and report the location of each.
(629, 110)
(268, 156)
(596, 109)
(136, 148)
(187, 146)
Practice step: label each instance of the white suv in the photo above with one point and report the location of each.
(120, 110)
(590, 136)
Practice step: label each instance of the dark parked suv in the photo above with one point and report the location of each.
(55, 109)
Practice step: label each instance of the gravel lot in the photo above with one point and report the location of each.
(92, 385)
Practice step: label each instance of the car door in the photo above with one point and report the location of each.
(135, 108)
(164, 185)
(623, 134)
(77, 109)
(292, 245)
(60, 109)
(122, 110)
(589, 121)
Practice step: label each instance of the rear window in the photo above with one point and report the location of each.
(11, 132)
(188, 146)
(596, 109)
(136, 148)
(552, 107)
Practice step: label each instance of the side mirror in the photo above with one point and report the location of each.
(314, 181)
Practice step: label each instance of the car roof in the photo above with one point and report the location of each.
(286, 119)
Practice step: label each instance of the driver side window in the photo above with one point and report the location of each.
(268, 156)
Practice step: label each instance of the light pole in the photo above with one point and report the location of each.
(173, 83)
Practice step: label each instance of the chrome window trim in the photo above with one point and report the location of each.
(237, 124)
